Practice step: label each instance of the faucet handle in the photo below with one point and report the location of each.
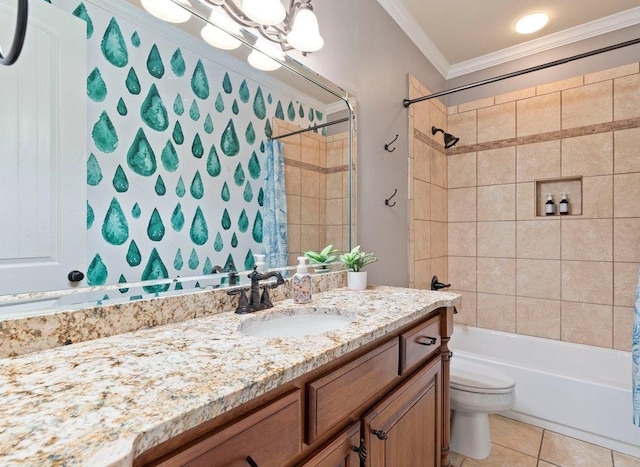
(437, 285)
(265, 299)
(243, 301)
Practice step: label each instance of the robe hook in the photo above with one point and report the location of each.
(386, 146)
(386, 201)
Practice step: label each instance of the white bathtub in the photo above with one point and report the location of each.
(577, 390)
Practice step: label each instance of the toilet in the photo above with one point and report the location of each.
(476, 391)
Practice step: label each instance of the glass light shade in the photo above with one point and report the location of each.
(166, 10)
(267, 12)
(305, 34)
(218, 37)
(263, 57)
(531, 23)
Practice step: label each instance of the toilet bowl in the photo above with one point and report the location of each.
(476, 391)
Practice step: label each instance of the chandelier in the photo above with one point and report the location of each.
(278, 29)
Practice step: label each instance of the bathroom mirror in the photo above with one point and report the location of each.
(178, 136)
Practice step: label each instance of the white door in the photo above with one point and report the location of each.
(42, 151)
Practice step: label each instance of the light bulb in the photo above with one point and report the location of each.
(262, 57)
(166, 10)
(531, 23)
(305, 34)
(217, 35)
(267, 12)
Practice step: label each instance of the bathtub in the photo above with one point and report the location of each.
(577, 390)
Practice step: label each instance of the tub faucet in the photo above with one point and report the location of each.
(437, 285)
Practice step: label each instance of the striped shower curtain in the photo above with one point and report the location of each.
(274, 210)
(635, 357)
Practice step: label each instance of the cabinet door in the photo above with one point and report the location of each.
(341, 452)
(405, 427)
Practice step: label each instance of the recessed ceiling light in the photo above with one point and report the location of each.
(531, 23)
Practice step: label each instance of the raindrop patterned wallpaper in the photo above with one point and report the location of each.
(175, 155)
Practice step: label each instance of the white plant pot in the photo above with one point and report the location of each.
(357, 280)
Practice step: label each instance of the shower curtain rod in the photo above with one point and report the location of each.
(311, 128)
(408, 102)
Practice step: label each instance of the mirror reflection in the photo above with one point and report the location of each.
(178, 162)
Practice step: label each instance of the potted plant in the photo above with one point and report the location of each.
(321, 261)
(355, 260)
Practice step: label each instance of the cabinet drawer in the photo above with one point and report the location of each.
(336, 395)
(419, 343)
(270, 436)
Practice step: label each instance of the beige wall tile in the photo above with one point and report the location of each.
(292, 176)
(496, 276)
(422, 274)
(421, 119)
(422, 240)
(293, 209)
(334, 185)
(293, 238)
(440, 269)
(538, 115)
(626, 97)
(515, 435)
(626, 239)
(462, 238)
(560, 85)
(623, 460)
(538, 317)
(480, 103)
(310, 183)
(562, 450)
(310, 150)
(538, 161)
(309, 211)
(452, 110)
(467, 310)
(462, 272)
(464, 126)
(292, 147)
(538, 278)
(626, 193)
(622, 324)
(497, 122)
(611, 73)
(334, 212)
(538, 239)
(497, 202)
(438, 168)
(310, 238)
(438, 204)
(587, 105)
(586, 323)
(421, 160)
(497, 166)
(587, 239)
(461, 204)
(497, 239)
(333, 236)
(625, 280)
(587, 282)
(588, 155)
(597, 196)
(422, 195)
(438, 239)
(334, 154)
(515, 95)
(525, 201)
(497, 312)
(461, 170)
(437, 118)
(626, 157)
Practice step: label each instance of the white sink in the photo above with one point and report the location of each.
(296, 323)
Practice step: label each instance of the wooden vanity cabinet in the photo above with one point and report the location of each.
(343, 451)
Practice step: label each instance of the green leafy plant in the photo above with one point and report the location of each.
(324, 258)
(356, 259)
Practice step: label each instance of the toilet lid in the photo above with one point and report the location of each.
(474, 377)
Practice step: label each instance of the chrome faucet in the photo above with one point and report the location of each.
(256, 300)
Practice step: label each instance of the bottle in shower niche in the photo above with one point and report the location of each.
(564, 205)
(550, 206)
(301, 282)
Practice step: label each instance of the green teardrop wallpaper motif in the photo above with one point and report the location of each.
(311, 118)
(262, 147)
(178, 262)
(196, 147)
(238, 175)
(194, 111)
(177, 64)
(226, 84)
(279, 112)
(301, 111)
(122, 280)
(91, 217)
(104, 134)
(319, 115)
(254, 166)
(225, 195)
(199, 232)
(155, 269)
(219, 103)
(213, 162)
(178, 105)
(169, 157)
(247, 194)
(136, 212)
(155, 229)
(194, 261)
(115, 229)
(229, 143)
(97, 272)
(113, 45)
(291, 112)
(208, 124)
(81, 12)
(230, 264)
(270, 99)
(234, 241)
(197, 187)
(120, 182)
(178, 135)
(94, 172)
(153, 111)
(134, 258)
(180, 188)
(122, 107)
(218, 244)
(177, 218)
(234, 107)
(243, 222)
(244, 92)
(208, 267)
(96, 87)
(140, 157)
(250, 134)
(268, 132)
(160, 187)
(135, 39)
(261, 198)
(154, 63)
(132, 82)
(249, 261)
(226, 220)
(259, 107)
(199, 81)
(257, 228)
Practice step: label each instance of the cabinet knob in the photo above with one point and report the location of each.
(425, 340)
(75, 276)
(362, 452)
(251, 462)
(382, 436)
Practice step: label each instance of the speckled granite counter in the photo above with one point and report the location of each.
(105, 401)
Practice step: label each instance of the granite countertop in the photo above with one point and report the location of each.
(104, 402)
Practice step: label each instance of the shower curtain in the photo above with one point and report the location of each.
(635, 357)
(274, 210)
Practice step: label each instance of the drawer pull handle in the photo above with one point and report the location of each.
(251, 462)
(424, 340)
(362, 452)
(382, 436)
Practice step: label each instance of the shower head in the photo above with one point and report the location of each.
(449, 139)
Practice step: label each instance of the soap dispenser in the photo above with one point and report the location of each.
(564, 205)
(302, 282)
(549, 206)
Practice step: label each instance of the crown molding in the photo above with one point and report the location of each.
(568, 36)
(403, 18)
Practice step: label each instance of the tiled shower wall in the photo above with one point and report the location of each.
(571, 278)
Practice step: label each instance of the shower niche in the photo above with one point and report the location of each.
(571, 186)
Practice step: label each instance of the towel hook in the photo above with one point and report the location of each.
(386, 201)
(386, 146)
(18, 36)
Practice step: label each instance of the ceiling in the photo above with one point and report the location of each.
(462, 36)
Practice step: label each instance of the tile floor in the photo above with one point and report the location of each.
(516, 444)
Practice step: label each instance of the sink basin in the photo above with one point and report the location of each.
(296, 323)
